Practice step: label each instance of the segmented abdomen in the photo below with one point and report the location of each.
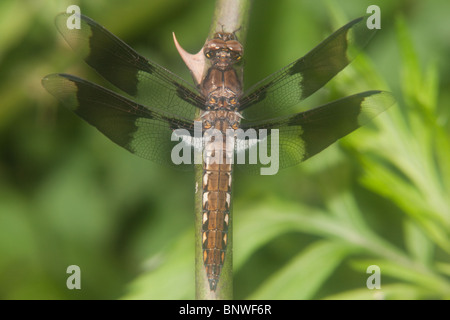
(216, 202)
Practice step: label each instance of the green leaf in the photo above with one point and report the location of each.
(305, 274)
(265, 223)
(169, 275)
(418, 244)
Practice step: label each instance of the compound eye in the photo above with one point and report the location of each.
(236, 55)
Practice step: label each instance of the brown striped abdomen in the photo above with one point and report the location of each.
(216, 202)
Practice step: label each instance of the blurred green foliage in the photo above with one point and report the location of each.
(378, 197)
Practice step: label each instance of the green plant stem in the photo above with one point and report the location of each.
(229, 16)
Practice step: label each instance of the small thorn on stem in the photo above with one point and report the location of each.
(196, 63)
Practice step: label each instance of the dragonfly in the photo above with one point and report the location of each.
(152, 103)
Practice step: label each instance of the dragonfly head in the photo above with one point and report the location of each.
(223, 50)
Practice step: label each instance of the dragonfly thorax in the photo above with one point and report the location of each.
(226, 101)
(221, 119)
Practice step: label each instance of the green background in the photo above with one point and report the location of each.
(69, 196)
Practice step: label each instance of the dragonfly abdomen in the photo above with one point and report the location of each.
(216, 202)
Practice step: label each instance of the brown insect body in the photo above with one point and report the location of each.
(222, 88)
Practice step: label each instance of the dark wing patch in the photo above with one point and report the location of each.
(143, 131)
(297, 81)
(149, 83)
(305, 134)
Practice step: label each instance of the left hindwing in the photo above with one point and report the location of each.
(143, 131)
